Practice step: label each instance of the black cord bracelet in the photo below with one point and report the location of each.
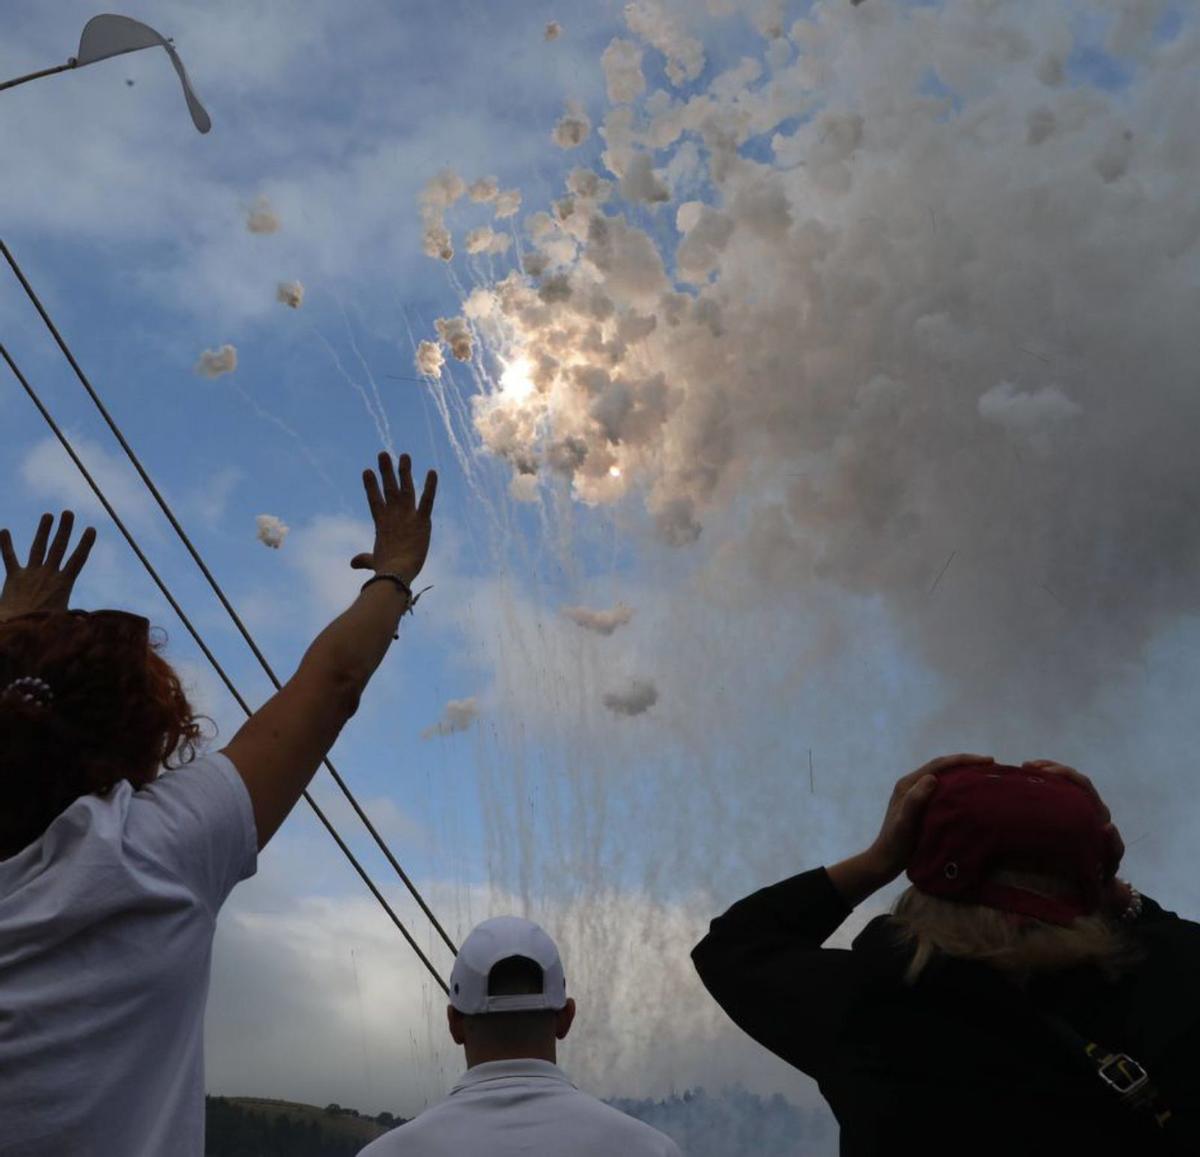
(401, 585)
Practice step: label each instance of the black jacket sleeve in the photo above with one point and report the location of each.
(763, 963)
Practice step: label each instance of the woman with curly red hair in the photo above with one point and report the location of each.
(112, 874)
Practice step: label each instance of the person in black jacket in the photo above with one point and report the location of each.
(1020, 999)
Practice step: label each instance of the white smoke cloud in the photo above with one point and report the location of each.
(262, 218)
(457, 715)
(290, 293)
(429, 360)
(635, 698)
(601, 622)
(214, 363)
(553, 30)
(271, 531)
(573, 127)
(822, 330)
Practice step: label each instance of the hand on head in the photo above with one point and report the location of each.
(902, 821)
(45, 582)
(402, 525)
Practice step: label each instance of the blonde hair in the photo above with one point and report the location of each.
(1016, 945)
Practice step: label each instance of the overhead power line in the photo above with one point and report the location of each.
(65, 442)
(212, 582)
(167, 511)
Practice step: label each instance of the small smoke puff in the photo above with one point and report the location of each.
(290, 293)
(508, 203)
(684, 54)
(457, 715)
(484, 190)
(271, 531)
(573, 129)
(623, 76)
(429, 359)
(214, 363)
(636, 698)
(641, 184)
(1028, 414)
(523, 487)
(262, 218)
(486, 240)
(601, 622)
(553, 30)
(455, 332)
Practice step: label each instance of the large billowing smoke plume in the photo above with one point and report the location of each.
(911, 284)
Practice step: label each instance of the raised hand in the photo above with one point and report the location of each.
(402, 525)
(45, 582)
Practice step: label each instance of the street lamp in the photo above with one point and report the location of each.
(109, 35)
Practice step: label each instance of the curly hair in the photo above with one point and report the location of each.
(115, 710)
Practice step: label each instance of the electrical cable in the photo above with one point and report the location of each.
(65, 442)
(212, 582)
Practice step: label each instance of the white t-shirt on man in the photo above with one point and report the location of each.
(106, 929)
(517, 1109)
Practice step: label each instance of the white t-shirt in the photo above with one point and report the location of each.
(526, 1107)
(106, 928)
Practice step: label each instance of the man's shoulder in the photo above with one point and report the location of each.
(637, 1138)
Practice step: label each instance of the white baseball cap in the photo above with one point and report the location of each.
(496, 940)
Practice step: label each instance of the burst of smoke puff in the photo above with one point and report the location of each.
(601, 622)
(553, 30)
(684, 54)
(484, 190)
(457, 335)
(271, 531)
(436, 242)
(573, 129)
(636, 698)
(430, 360)
(457, 715)
(442, 190)
(262, 218)
(1031, 415)
(641, 184)
(290, 293)
(486, 240)
(523, 487)
(508, 204)
(214, 363)
(623, 76)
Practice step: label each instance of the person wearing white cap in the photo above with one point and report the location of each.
(508, 1009)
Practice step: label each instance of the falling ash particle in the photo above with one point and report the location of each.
(262, 218)
(553, 30)
(290, 293)
(636, 698)
(601, 622)
(457, 715)
(214, 363)
(271, 531)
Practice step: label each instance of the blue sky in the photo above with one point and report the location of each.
(802, 621)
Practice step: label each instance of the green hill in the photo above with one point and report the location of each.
(260, 1127)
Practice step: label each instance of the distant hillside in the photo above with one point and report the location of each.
(259, 1127)
(732, 1123)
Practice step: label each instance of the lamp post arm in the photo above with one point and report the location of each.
(72, 63)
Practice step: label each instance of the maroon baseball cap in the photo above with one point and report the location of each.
(983, 818)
